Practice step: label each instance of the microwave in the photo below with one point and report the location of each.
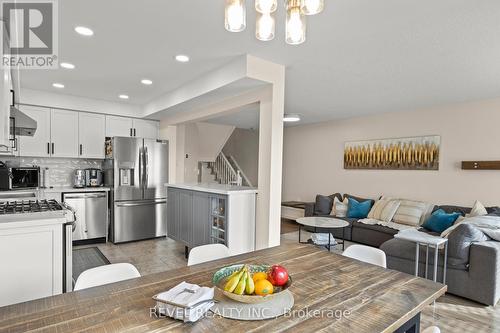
(19, 178)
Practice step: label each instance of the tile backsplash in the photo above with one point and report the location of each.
(60, 170)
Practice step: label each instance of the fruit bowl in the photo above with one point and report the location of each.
(221, 276)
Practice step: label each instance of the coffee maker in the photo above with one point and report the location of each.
(79, 178)
(93, 178)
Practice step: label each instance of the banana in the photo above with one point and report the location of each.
(233, 281)
(240, 288)
(250, 286)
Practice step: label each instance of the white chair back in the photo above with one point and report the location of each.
(106, 274)
(432, 329)
(367, 254)
(204, 253)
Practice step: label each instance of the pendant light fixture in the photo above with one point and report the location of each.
(235, 15)
(265, 27)
(295, 23)
(312, 7)
(266, 6)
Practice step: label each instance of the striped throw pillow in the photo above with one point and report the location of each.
(410, 212)
(384, 210)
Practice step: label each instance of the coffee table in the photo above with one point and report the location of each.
(326, 223)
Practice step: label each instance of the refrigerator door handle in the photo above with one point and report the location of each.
(143, 203)
(146, 167)
(140, 168)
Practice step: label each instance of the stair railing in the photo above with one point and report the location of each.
(224, 171)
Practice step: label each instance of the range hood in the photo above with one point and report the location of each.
(23, 125)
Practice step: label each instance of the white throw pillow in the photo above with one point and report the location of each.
(477, 210)
(410, 212)
(384, 210)
(339, 208)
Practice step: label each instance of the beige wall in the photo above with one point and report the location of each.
(313, 156)
(243, 145)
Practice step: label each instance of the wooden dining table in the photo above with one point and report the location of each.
(364, 297)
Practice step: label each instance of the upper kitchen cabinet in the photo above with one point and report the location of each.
(92, 134)
(37, 145)
(64, 133)
(147, 129)
(119, 126)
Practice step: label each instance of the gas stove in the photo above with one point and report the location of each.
(29, 206)
(28, 209)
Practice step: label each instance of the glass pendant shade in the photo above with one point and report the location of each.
(312, 7)
(295, 25)
(235, 15)
(266, 6)
(265, 27)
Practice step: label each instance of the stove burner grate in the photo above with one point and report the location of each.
(29, 206)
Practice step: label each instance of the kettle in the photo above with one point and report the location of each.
(79, 178)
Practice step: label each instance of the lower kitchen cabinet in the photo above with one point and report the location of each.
(197, 217)
(32, 261)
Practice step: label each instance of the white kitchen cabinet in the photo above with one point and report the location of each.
(147, 129)
(37, 145)
(5, 96)
(92, 134)
(32, 262)
(64, 133)
(118, 126)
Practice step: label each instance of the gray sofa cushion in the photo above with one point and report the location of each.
(448, 209)
(323, 205)
(460, 240)
(494, 210)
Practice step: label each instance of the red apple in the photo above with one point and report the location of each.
(278, 275)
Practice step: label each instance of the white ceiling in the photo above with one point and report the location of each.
(361, 56)
(246, 117)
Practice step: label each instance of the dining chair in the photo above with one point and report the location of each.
(204, 253)
(98, 276)
(367, 254)
(432, 329)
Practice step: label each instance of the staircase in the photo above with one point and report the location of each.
(225, 170)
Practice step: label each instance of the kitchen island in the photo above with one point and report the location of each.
(348, 295)
(199, 214)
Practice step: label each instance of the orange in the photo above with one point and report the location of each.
(263, 287)
(259, 276)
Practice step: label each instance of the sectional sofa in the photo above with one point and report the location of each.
(473, 268)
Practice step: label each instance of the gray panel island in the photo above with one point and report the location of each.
(200, 214)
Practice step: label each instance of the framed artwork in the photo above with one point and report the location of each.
(412, 153)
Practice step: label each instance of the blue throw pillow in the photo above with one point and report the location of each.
(439, 221)
(357, 209)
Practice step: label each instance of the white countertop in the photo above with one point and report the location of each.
(215, 188)
(73, 189)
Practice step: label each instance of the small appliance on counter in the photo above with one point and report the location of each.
(93, 178)
(19, 178)
(79, 179)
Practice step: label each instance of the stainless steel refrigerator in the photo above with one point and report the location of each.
(137, 173)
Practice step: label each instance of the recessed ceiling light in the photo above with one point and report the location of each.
(58, 85)
(182, 58)
(291, 118)
(84, 31)
(146, 82)
(67, 65)
(123, 96)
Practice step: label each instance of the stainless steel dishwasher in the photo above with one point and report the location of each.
(91, 214)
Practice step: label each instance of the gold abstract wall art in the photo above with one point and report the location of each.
(413, 153)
